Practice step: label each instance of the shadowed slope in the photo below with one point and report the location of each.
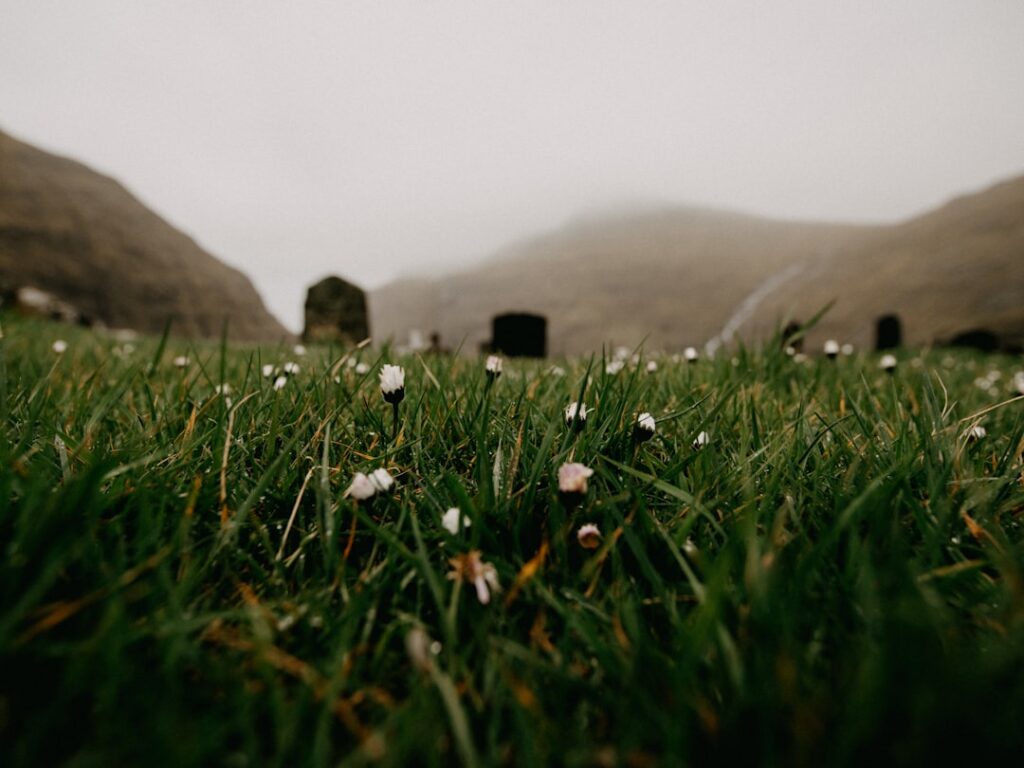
(672, 276)
(680, 276)
(84, 238)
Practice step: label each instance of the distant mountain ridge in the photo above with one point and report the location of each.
(673, 277)
(82, 237)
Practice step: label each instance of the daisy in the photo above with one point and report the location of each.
(700, 441)
(644, 428)
(365, 486)
(493, 367)
(181, 361)
(392, 383)
(451, 519)
(572, 478)
(392, 386)
(589, 536)
(977, 432)
(361, 487)
(279, 383)
(471, 569)
(888, 363)
(691, 354)
(832, 349)
(382, 479)
(60, 346)
(576, 412)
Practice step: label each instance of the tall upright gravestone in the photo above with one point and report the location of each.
(336, 311)
(888, 332)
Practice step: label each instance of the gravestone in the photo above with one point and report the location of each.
(980, 339)
(888, 332)
(336, 311)
(520, 334)
(791, 330)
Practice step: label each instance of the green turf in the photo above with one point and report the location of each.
(837, 575)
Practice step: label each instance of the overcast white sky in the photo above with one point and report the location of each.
(379, 138)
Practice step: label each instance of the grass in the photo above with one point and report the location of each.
(837, 575)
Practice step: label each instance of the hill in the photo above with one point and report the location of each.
(953, 270)
(680, 276)
(84, 238)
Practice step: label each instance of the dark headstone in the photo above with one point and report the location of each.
(888, 332)
(978, 338)
(336, 311)
(789, 336)
(436, 347)
(520, 335)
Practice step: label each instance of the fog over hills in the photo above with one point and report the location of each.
(679, 276)
(667, 276)
(84, 238)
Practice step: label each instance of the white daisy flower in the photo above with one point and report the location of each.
(1018, 382)
(832, 348)
(493, 366)
(589, 536)
(450, 520)
(701, 440)
(267, 370)
(365, 486)
(977, 432)
(291, 369)
(382, 479)
(572, 478)
(887, 363)
(691, 354)
(361, 487)
(392, 383)
(280, 382)
(652, 366)
(578, 412)
(644, 428)
(181, 361)
(362, 368)
(614, 366)
(299, 350)
(473, 570)
(60, 346)
(846, 349)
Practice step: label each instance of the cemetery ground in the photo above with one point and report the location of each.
(836, 574)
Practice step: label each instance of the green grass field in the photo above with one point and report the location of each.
(836, 576)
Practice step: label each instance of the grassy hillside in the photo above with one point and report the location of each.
(955, 269)
(81, 236)
(836, 574)
(675, 277)
(672, 277)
